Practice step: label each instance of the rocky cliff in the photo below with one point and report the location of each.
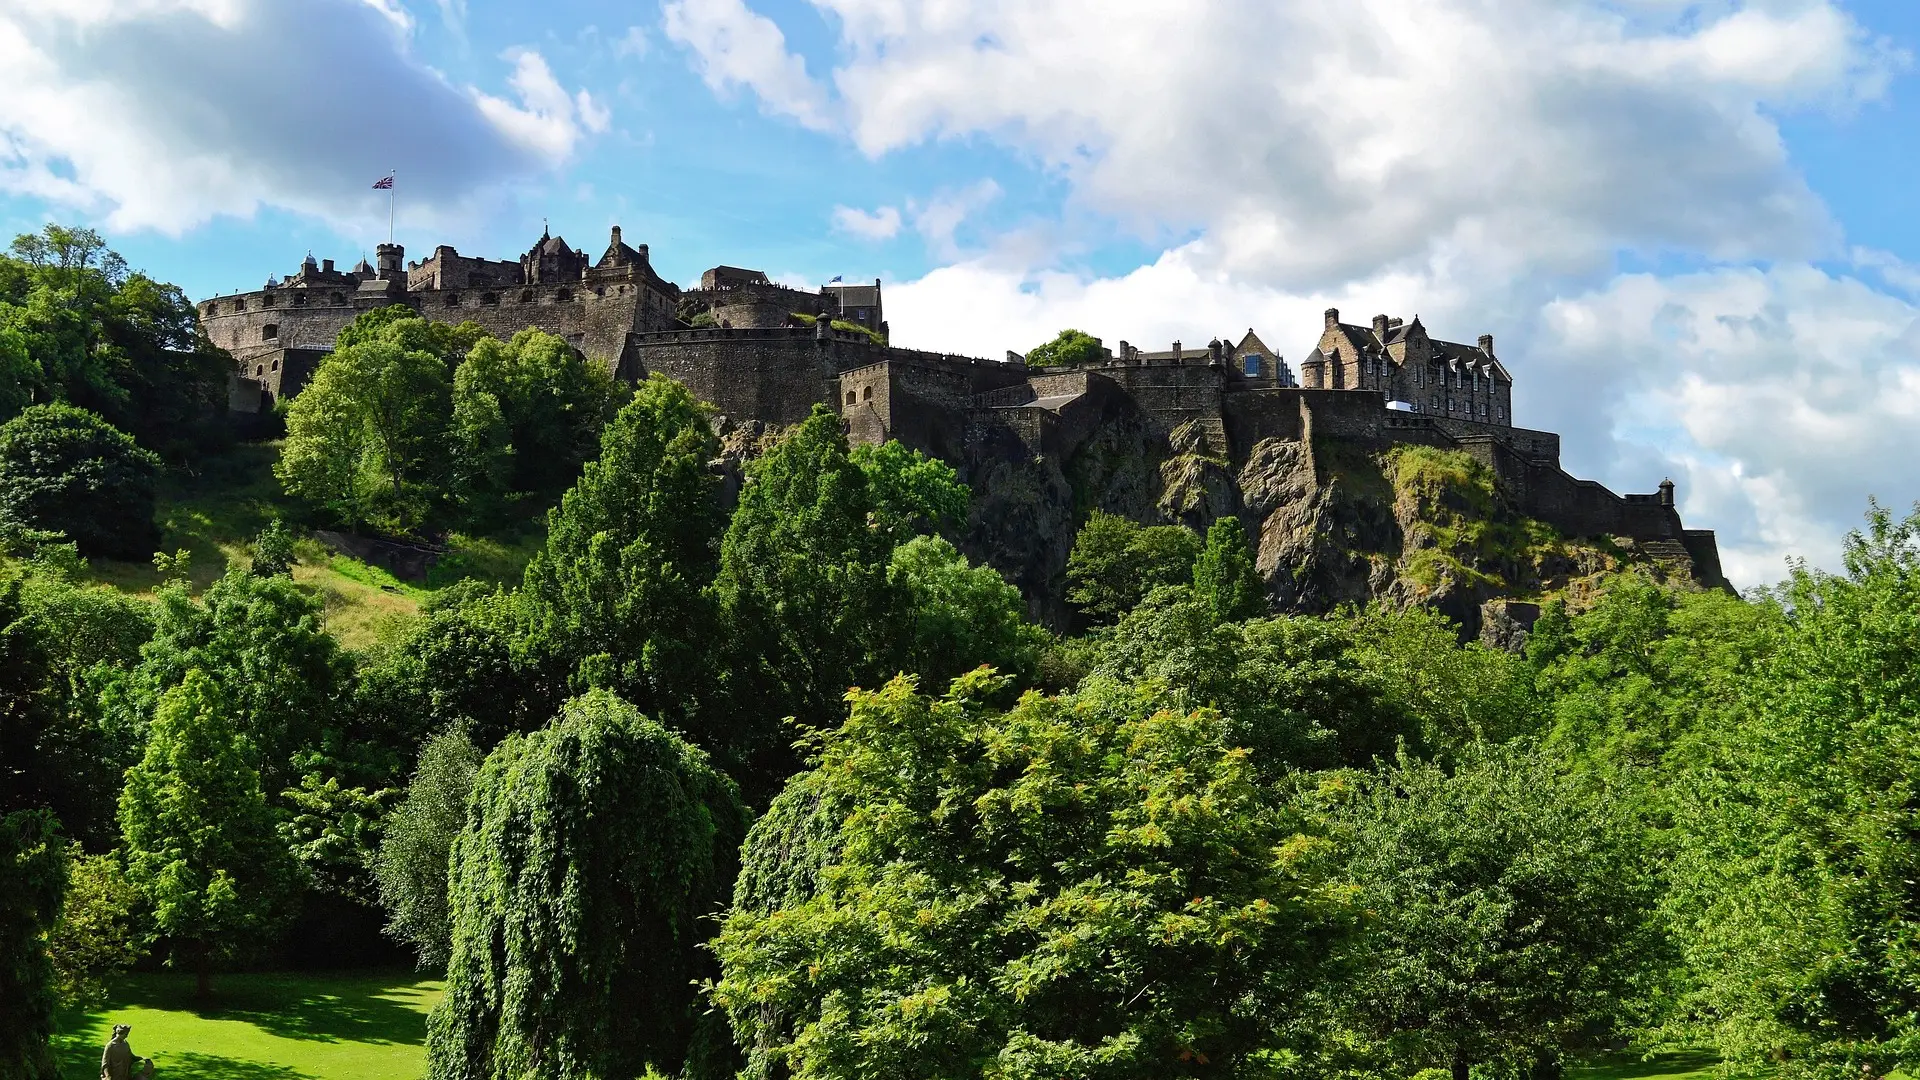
(1334, 523)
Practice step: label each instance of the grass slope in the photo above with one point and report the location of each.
(261, 1027)
(1697, 1065)
(214, 510)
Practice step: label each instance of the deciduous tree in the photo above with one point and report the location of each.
(201, 844)
(593, 850)
(65, 470)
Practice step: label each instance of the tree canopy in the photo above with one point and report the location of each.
(592, 851)
(65, 471)
(1068, 348)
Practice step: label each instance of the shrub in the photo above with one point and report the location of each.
(66, 470)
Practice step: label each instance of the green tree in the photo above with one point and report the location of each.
(367, 437)
(1116, 563)
(1068, 348)
(65, 470)
(77, 327)
(592, 852)
(94, 940)
(617, 591)
(263, 640)
(1224, 578)
(201, 843)
(959, 616)
(1795, 854)
(272, 550)
(527, 414)
(33, 880)
(412, 865)
(913, 494)
(1075, 887)
(1512, 914)
(803, 591)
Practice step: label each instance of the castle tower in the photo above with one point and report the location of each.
(390, 262)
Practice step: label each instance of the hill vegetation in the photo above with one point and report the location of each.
(691, 773)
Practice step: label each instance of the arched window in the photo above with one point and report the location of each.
(269, 331)
(259, 369)
(866, 394)
(239, 305)
(275, 366)
(849, 397)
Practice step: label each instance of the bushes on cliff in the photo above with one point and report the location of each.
(1068, 348)
(65, 470)
(1116, 563)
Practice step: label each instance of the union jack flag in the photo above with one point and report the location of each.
(384, 183)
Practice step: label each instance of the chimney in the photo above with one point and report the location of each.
(1333, 317)
(616, 236)
(1176, 352)
(642, 249)
(1380, 326)
(1486, 344)
(326, 266)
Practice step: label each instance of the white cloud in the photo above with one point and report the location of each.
(547, 122)
(937, 219)
(1786, 396)
(634, 44)
(734, 47)
(163, 114)
(1317, 142)
(1482, 163)
(881, 224)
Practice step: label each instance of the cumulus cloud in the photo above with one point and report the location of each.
(734, 47)
(1358, 135)
(881, 224)
(1482, 163)
(164, 113)
(1785, 395)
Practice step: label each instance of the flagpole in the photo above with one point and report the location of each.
(391, 194)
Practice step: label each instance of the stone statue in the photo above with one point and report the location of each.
(117, 1061)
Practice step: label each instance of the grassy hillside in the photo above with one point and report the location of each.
(214, 509)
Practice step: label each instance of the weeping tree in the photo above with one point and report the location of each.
(33, 879)
(593, 850)
(411, 869)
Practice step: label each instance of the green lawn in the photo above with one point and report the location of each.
(261, 1027)
(1681, 1066)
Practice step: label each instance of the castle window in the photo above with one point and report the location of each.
(849, 397)
(866, 394)
(259, 369)
(269, 331)
(299, 299)
(239, 305)
(526, 296)
(336, 298)
(490, 299)
(1251, 363)
(275, 366)
(266, 299)
(563, 295)
(453, 299)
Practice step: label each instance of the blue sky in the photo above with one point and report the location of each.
(1690, 225)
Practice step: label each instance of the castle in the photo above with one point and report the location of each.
(760, 351)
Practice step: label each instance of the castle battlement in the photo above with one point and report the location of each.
(762, 351)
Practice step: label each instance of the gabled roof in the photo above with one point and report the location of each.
(1252, 341)
(554, 245)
